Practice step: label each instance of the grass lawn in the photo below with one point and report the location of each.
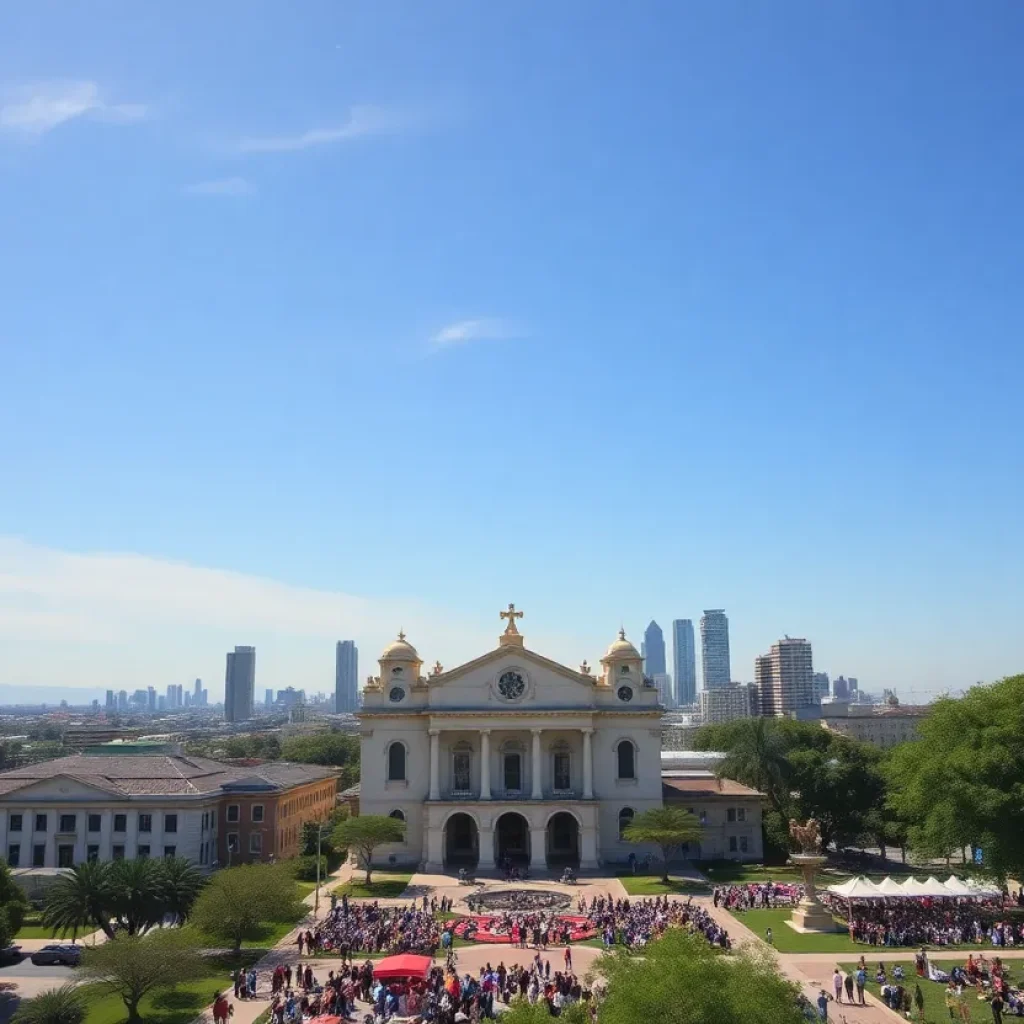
(384, 885)
(652, 885)
(934, 992)
(179, 1004)
(305, 888)
(32, 928)
(264, 937)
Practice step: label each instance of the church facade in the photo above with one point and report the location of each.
(511, 757)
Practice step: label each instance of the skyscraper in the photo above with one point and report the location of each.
(821, 686)
(111, 699)
(653, 650)
(268, 698)
(714, 648)
(785, 677)
(684, 658)
(346, 676)
(666, 692)
(240, 684)
(197, 694)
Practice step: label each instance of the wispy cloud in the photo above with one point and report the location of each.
(231, 187)
(40, 107)
(463, 332)
(362, 122)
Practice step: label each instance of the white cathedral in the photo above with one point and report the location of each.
(510, 757)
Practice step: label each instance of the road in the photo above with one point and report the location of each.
(30, 981)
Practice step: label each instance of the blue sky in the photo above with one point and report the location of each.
(319, 321)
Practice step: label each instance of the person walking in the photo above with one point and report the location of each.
(568, 958)
(221, 1008)
(768, 936)
(997, 1005)
(862, 977)
(848, 985)
(822, 1005)
(837, 985)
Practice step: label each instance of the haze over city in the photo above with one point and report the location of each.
(320, 327)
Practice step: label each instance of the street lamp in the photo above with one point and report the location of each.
(321, 826)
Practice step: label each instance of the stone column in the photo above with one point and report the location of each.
(535, 790)
(588, 849)
(485, 774)
(486, 841)
(588, 765)
(538, 847)
(435, 764)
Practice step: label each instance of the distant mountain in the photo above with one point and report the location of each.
(12, 693)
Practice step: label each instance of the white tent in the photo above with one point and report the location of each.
(887, 887)
(858, 888)
(984, 888)
(936, 888)
(912, 887)
(958, 888)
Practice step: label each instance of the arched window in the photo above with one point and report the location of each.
(397, 814)
(627, 760)
(625, 819)
(396, 762)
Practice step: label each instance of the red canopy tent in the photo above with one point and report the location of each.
(405, 965)
(325, 1019)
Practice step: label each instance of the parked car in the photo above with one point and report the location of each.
(10, 955)
(59, 954)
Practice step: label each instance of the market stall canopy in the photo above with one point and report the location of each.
(958, 888)
(984, 888)
(888, 887)
(859, 888)
(936, 888)
(912, 887)
(405, 965)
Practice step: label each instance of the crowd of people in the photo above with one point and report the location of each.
(756, 895)
(636, 922)
(370, 928)
(929, 922)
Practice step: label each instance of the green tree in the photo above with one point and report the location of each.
(309, 832)
(961, 782)
(183, 883)
(669, 828)
(365, 833)
(237, 902)
(80, 900)
(138, 894)
(681, 979)
(132, 966)
(756, 755)
(333, 749)
(13, 905)
(64, 1005)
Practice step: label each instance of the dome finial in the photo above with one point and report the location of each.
(401, 634)
(622, 632)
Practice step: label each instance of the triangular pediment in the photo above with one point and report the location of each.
(67, 787)
(520, 654)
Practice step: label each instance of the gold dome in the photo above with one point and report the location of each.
(400, 650)
(622, 648)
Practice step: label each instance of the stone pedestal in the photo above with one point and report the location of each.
(809, 915)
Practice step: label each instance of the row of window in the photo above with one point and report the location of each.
(512, 767)
(67, 823)
(66, 854)
(323, 795)
(255, 842)
(234, 814)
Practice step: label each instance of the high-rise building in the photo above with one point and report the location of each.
(821, 686)
(197, 694)
(111, 699)
(714, 648)
(151, 698)
(840, 688)
(663, 684)
(684, 658)
(122, 700)
(240, 684)
(652, 649)
(785, 677)
(206, 698)
(346, 676)
(268, 698)
(726, 703)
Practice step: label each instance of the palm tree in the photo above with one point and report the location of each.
(670, 828)
(757, 757)
(63, 1005)
(138, 894)
(80, 900)
(182, 884)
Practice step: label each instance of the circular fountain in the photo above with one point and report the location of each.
(519, 900)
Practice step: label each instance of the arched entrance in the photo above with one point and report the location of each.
(511, 840)
(563, 841)
(461, 842)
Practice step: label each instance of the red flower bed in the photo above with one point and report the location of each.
(479, 929)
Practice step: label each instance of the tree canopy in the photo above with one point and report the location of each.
(365, 833)
(13, 905)
(681, 979)
(669, 828)
(238, 901)
(127, 895)
(131, 966)
(962, 782)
